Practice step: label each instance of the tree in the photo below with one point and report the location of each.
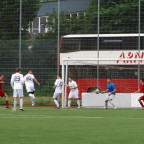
(52, 25)
(9, 16)
(119, 16)
(68, 25)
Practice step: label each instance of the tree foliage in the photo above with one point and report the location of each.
(67, 25)
(10, 17)
(119, 16)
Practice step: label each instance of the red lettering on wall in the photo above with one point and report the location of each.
(131, 55)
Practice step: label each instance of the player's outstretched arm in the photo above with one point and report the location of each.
(74, 88)
(54, 86)
(2, 82)
(36, 81)
(112, 92)
(12, 82)
(104, 91)
(137, 91)
(66, 85)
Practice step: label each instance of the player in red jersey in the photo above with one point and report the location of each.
(141, 90)
(2, 93)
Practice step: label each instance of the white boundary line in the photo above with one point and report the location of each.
(64, 117)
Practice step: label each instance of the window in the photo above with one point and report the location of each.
(130, 43)
(120, 43)
(70, 45)
(110, 43)
(88, 44)
(105, 43)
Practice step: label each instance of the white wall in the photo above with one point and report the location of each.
(123, 100)
(131, 54)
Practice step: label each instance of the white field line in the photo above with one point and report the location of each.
(9, 116)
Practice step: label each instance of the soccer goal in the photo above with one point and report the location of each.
(91, 77)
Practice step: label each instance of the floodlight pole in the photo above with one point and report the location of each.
(98, 26)
(58, 36)
(139, 40)
(20, 28)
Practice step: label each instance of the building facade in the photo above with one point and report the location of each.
(72, 7)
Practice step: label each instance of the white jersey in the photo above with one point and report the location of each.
(17, 81)
(58, 83)
(28, 79)
(73, 84)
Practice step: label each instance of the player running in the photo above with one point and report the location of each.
(111, 89)
(28, 80)
(17, 85)
(2, 93)
(73, 92)
(58, 90)
(141, 90)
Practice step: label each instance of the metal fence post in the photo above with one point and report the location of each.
(20, 28)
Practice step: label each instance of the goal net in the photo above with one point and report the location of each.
(91, 77)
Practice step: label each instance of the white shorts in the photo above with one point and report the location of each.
(18, 93)
(112, 96)
(30, 89)
(56, 95)
(73, 95)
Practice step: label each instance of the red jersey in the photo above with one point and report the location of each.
(142, 87)
(0, 85)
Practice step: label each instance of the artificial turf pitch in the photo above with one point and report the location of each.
(42, 125)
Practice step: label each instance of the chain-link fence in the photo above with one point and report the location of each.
(31, 36)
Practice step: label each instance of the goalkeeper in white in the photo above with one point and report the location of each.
(58, 90)
(28, 80)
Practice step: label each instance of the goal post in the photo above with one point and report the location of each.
(64, 78)
(125, 73)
